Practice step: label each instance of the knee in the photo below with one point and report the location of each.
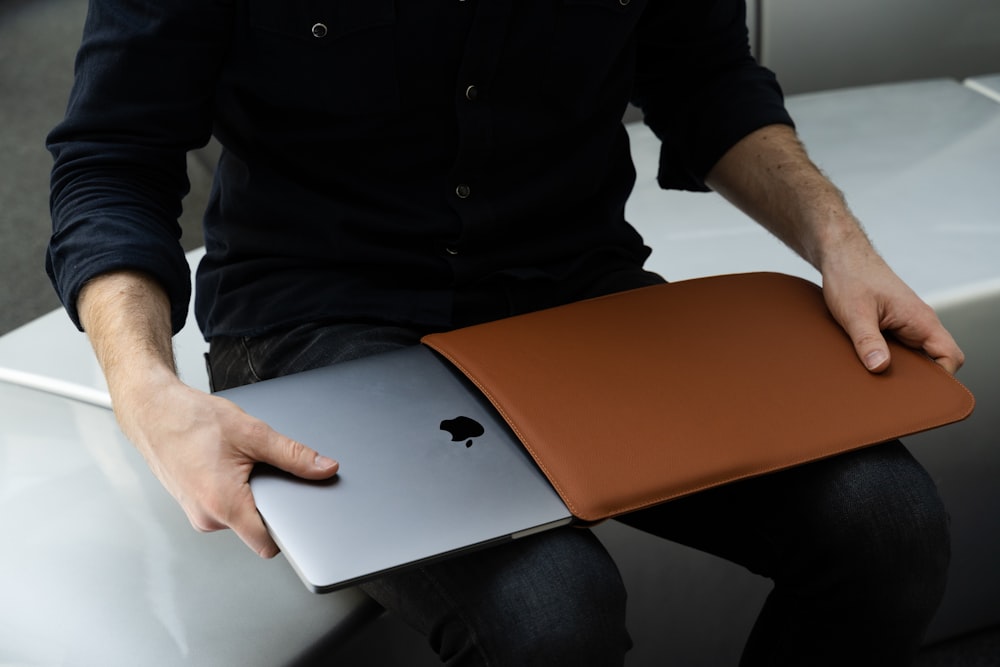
(886, 527)
(569, 611)
(897, 505)
(565, 627)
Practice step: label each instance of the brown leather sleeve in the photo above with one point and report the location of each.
(639, 397)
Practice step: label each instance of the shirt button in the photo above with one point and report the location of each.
(463, 191)
(319, 30)
(471, 93)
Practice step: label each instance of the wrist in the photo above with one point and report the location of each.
(138, 393)
(841, 245)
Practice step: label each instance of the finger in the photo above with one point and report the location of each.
(945, 352)
(246, 522)
(237, 512)
(929, 335)
(950, 364)
(266, 445)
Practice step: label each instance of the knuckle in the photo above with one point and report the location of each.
(291, 449)
(867, 339)
(203, 522)
(256, 431)
(208, 514)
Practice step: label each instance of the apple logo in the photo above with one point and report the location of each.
(463, 428)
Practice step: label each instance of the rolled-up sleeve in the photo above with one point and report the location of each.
(142, 98)
(699, 87)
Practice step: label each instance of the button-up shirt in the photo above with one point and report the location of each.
(426, 163)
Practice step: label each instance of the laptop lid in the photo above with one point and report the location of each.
(427, 468)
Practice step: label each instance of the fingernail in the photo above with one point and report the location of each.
(875, 359)
(324, 462)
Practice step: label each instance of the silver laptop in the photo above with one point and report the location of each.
(428, 468)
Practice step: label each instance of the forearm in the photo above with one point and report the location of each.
(201, 447)
(126, 315)
(769, 176)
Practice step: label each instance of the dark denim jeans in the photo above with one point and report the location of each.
(857, 547)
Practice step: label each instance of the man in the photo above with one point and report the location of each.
(397, 168)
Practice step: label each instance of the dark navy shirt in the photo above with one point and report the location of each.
(428, 163)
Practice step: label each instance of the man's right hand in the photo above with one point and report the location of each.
(202, 448)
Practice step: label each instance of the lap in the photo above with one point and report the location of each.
(778, 524)
(844, 518)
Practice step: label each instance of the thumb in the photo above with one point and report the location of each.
(871, 348)
(290, 455)
(860, 318)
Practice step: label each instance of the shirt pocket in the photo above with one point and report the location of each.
(326, 55)
(592, 43)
